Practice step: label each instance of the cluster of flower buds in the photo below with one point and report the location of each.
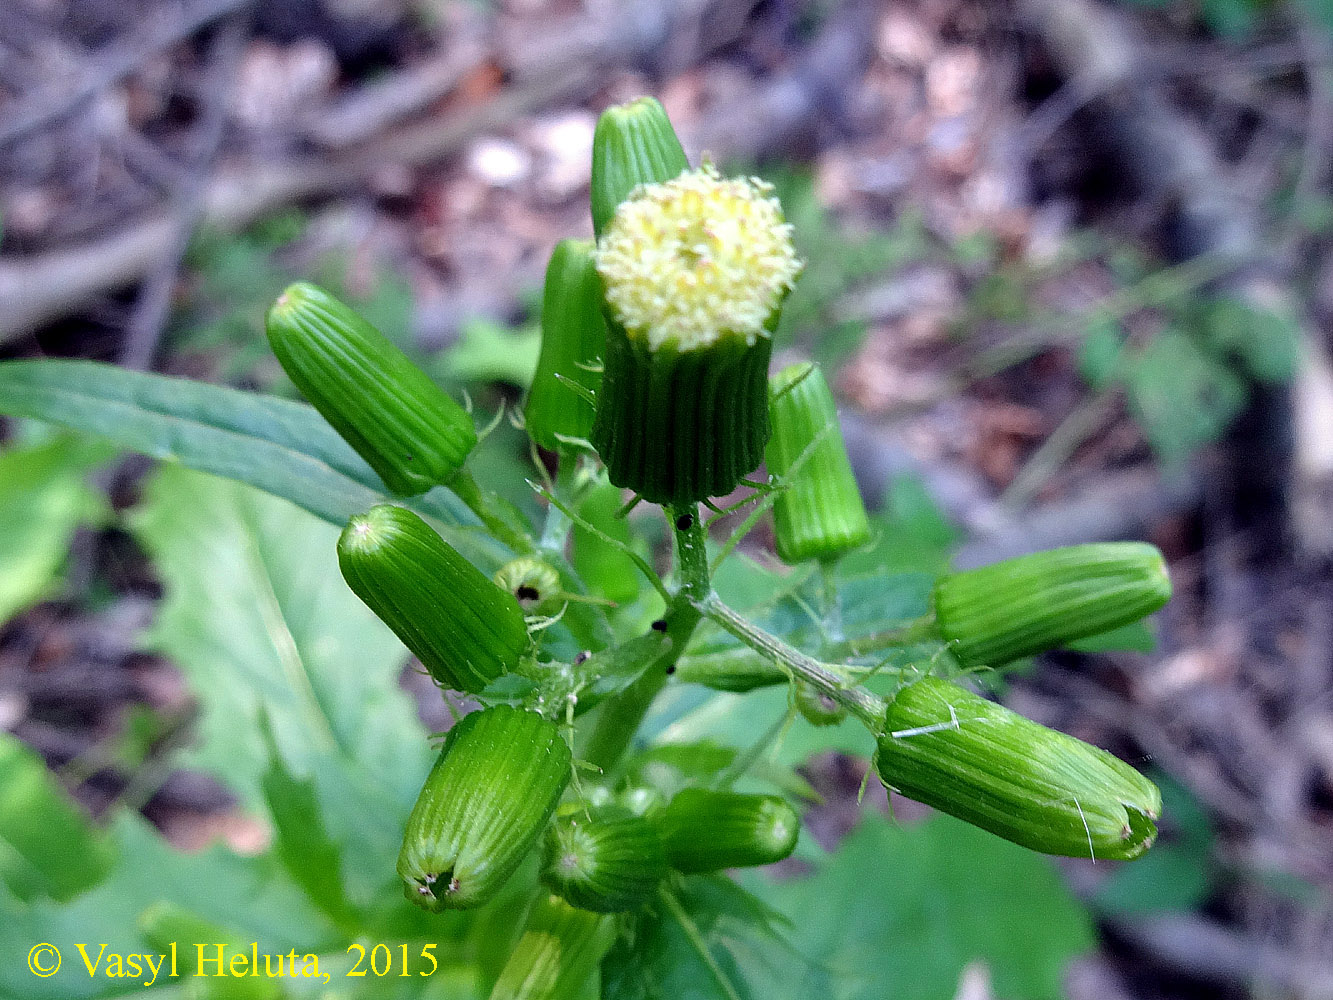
(655, 350)
(613, 856)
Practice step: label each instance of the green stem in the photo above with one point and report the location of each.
(860, 702)
(486, 505)
(832, 604)
(620, 717)
(697, 941)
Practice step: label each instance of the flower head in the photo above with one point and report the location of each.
(694, 259)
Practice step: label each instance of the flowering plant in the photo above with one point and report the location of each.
(560, 796)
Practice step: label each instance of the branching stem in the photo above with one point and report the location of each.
(860, 702)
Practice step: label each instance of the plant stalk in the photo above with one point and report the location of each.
(620, 717)
(860, 702)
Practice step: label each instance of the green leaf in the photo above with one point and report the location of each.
(47, 845)
(1182, 397)
(899, 912)
(1266, 341)
(43, 499)
(259, 620)
(302, 843)
(1100, 356)
(690, 945)
(911, 535)
(489, 352)
(281, 447)
(248, 894)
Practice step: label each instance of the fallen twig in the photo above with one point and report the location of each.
(109, 66)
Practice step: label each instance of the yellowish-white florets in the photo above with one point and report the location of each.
(697, 258)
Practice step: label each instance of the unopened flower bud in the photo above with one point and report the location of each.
(573, 337)
(705, 830)
(819, 514)
(534, 584)
(633, 144)
(398, 420)
(483, 806)
(1037, 602)
(816, 707)
(464, 629)
(557, 955)
(607, 860)
(1037, 787)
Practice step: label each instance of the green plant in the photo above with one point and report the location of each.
(584, 716)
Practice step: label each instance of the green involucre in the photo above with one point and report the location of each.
(605, 859)
(820, 513)
(1037, 787)
(558, 954)
(705, 831)
(465, 630)
(483, 806)
(677, 427)
(1037, 602)
(633, 144)
(398, 420)
(573, 336)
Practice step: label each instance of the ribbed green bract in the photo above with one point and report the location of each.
(705, 831)
(1037, 787)
(404, 426)
(1023, 606)
(558, 954)
(573, 336)
(677, 427)
(819, 515)
(607, 860)
(463, 628)
(483, 806)
(633, 144)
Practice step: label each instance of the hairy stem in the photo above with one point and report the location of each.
(620, 717)
(860, 702)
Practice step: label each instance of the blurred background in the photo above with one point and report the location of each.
(1069, 266)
